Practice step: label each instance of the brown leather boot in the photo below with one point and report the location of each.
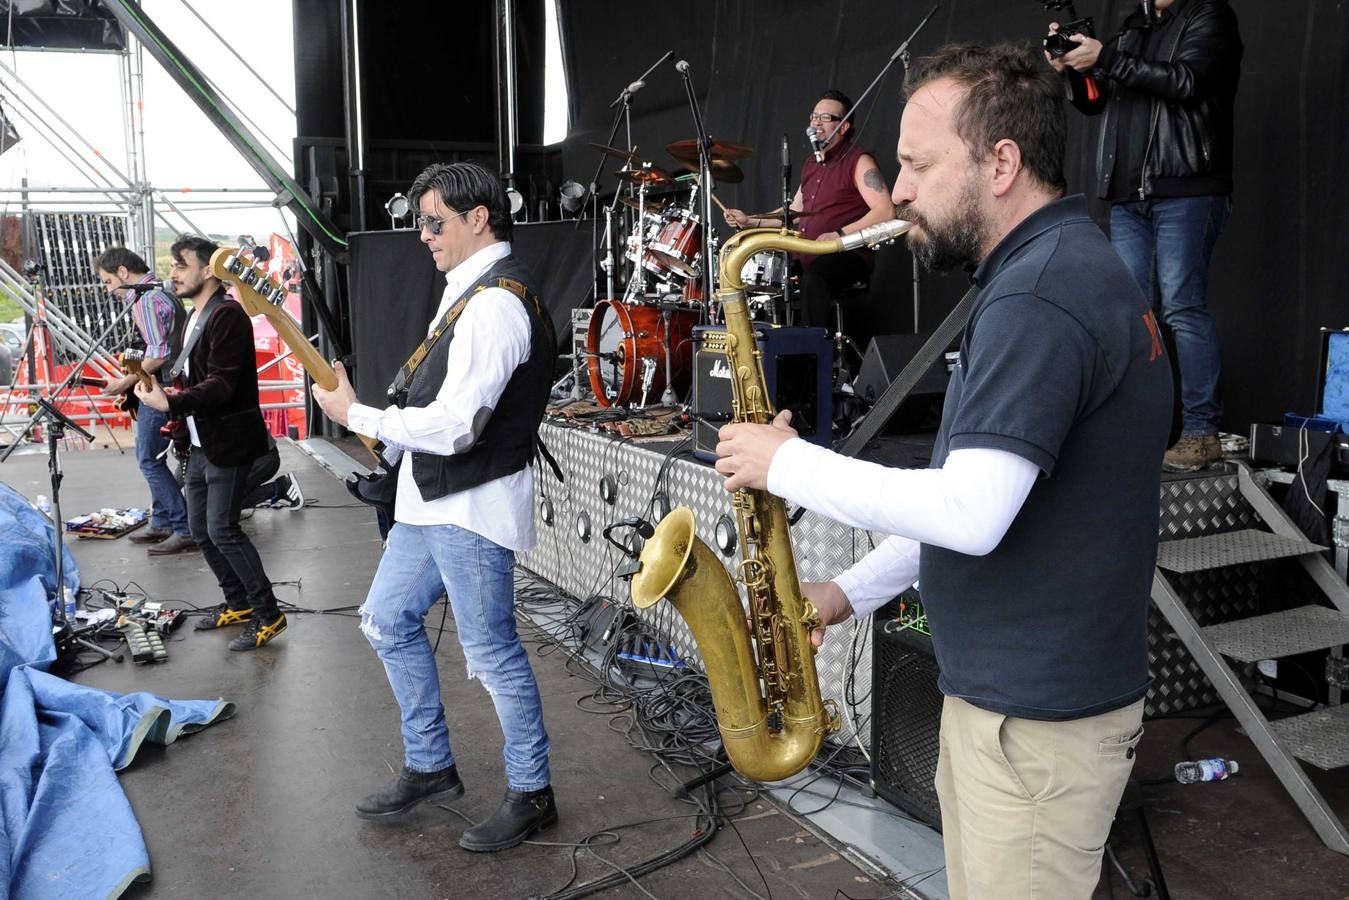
(1190, 454)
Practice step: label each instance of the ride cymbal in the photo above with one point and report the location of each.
(723, 171)
(687, 151)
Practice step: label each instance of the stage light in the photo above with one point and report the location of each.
(571, 197)
(517, 201)
(583, 526)
(546, 511)
(725, 535)
(398, 208)
(608, 489)
(8, 136)
(660, 506)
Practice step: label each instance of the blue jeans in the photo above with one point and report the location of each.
(421, 563)
(168, 509)
(1174, 239)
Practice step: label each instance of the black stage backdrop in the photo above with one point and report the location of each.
(758, 66)
(395, 290)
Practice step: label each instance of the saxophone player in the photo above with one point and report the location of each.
(1035, 567)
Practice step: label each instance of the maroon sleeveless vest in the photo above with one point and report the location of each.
(828, 191)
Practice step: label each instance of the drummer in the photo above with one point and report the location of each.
(843, 194)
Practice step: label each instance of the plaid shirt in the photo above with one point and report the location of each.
(153, 315)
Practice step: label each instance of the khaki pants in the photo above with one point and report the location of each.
(1026, 805)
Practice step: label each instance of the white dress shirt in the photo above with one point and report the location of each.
(967, 505)
(491, 339)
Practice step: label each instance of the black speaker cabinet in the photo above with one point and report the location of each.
(798, 368)
(905, 717)
(886, 357)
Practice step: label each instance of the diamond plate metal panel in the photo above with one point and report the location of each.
(1228, 549)
(1321, 737)
(1280, 634)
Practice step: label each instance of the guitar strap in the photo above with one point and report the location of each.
(194, 335)
(398, 391)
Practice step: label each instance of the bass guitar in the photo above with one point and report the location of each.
(262, 295)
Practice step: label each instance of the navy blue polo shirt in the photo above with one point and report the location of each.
(1062, 364)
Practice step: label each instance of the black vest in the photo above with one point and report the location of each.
(506, 443)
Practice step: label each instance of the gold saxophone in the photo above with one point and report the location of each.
(770, 713)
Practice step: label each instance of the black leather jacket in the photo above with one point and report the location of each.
(1189, 83)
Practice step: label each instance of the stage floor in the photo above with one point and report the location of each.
(261, 805)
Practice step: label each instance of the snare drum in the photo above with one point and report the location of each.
(625, 341)
(766, 271)
(679, 245)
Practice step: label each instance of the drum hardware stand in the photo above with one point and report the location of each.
(668, 397)
(648, 375)
(623, 114)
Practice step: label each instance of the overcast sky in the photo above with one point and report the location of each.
(182, 149)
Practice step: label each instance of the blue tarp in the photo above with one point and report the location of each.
(66, 827)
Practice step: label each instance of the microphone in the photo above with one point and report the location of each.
(786, 157)
(142, 286)
(813, 135)
(682, 67)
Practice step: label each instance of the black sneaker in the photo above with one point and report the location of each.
(259, 632)
(221, 616)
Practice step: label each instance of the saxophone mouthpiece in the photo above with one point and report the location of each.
(875, 235)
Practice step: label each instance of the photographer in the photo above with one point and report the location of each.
(1166, 85)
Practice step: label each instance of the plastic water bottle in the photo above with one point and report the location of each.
(44, 504)
(1216, 769)
(69, 603)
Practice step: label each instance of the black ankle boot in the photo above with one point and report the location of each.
(410, 789)
(520, 815)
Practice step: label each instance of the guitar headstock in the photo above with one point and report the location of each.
(259, 293)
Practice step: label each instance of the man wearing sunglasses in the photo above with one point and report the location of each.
(465, 425)
(842, 191)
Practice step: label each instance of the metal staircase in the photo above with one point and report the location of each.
(1320, 737)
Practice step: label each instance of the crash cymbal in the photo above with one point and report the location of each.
(652, 204)
(624, 155)
(687, 151)
(645, 175)
(723, 171)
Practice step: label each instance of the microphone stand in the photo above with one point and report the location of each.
(787, 224)
(901, 54)
(623, 114)
(705, 181)
(67, 636)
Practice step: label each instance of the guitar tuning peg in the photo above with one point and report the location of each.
(261, 254)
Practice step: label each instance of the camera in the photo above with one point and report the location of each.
(1057, 45)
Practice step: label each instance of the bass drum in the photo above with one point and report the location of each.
(625, 341)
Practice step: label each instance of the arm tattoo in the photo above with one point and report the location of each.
(873, 180)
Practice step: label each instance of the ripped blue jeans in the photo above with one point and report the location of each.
(421, 563)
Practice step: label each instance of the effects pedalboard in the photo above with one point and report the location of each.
(144, 624)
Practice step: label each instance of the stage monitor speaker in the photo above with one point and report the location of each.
(886, 357)
(905, 717)
(798, 368)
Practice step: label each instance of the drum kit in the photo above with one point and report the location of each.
(639, 347)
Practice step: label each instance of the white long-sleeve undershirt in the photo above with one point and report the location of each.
(967, 506)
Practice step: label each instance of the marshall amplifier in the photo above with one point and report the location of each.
(798, 368)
